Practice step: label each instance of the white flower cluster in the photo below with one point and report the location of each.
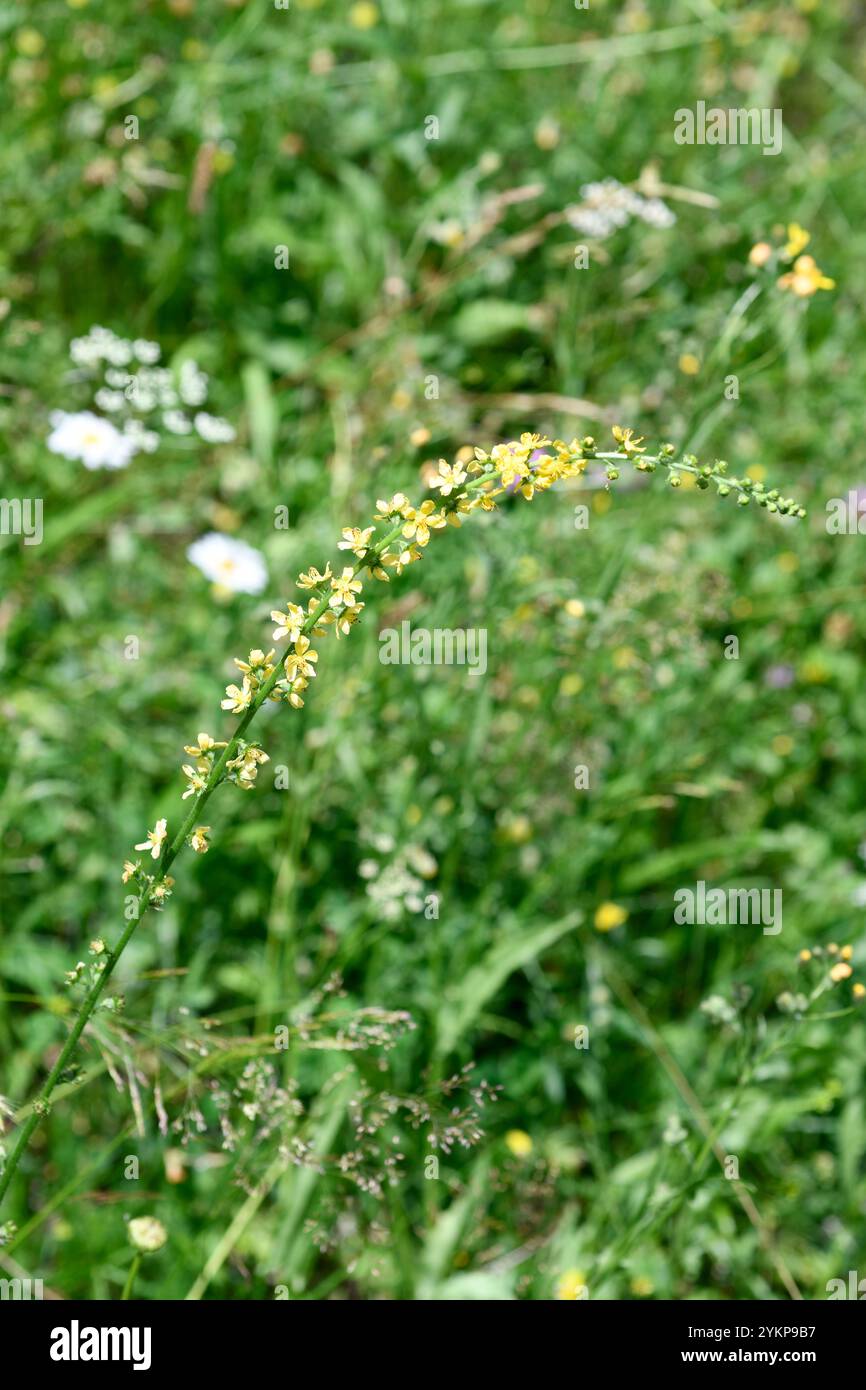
(609, 204)
(139, 395)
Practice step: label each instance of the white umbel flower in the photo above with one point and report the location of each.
(212, 429)
(85, 436)
(231, 563)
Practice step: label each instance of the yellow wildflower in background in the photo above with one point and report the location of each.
(798, 240)
(571, 1286)
(806, 278)
(519, 1143)
(609, 916)
(364, 15)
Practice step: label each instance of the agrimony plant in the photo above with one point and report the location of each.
(477, 481)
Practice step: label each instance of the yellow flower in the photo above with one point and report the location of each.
(237, 700)
(609, 916)
(420, 521)
(571, 1286)
(841, 971)
(519, 1142)
(355, 539)
(258, 668)
(154, 839)
(689, 364)
(196, 781)
(858, 991)
(798, 240)
(364, 15)
(312, 579)
(289, 624)
(641, 1286)
(129, 869)
(347, 619)
(198, 839)
(805, 278)
(627, 442)
(846, 952)
(449, 477)
(298, 662)
(202, 746)
(345, 588)
(760, 253)
(290, 691)
(398, 506)
(29, 42)
(805, 956)
(402, 558)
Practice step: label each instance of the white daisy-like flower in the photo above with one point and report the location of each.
(85, 436)
(212, 429)
(229, 562)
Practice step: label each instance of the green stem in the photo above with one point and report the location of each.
(130, 1278)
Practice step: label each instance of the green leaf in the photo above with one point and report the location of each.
(513, 951)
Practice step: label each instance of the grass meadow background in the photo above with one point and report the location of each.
(432, 300)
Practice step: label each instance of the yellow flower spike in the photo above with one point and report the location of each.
(340, 607)
(609, 916)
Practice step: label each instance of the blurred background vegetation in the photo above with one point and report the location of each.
(431, 299)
